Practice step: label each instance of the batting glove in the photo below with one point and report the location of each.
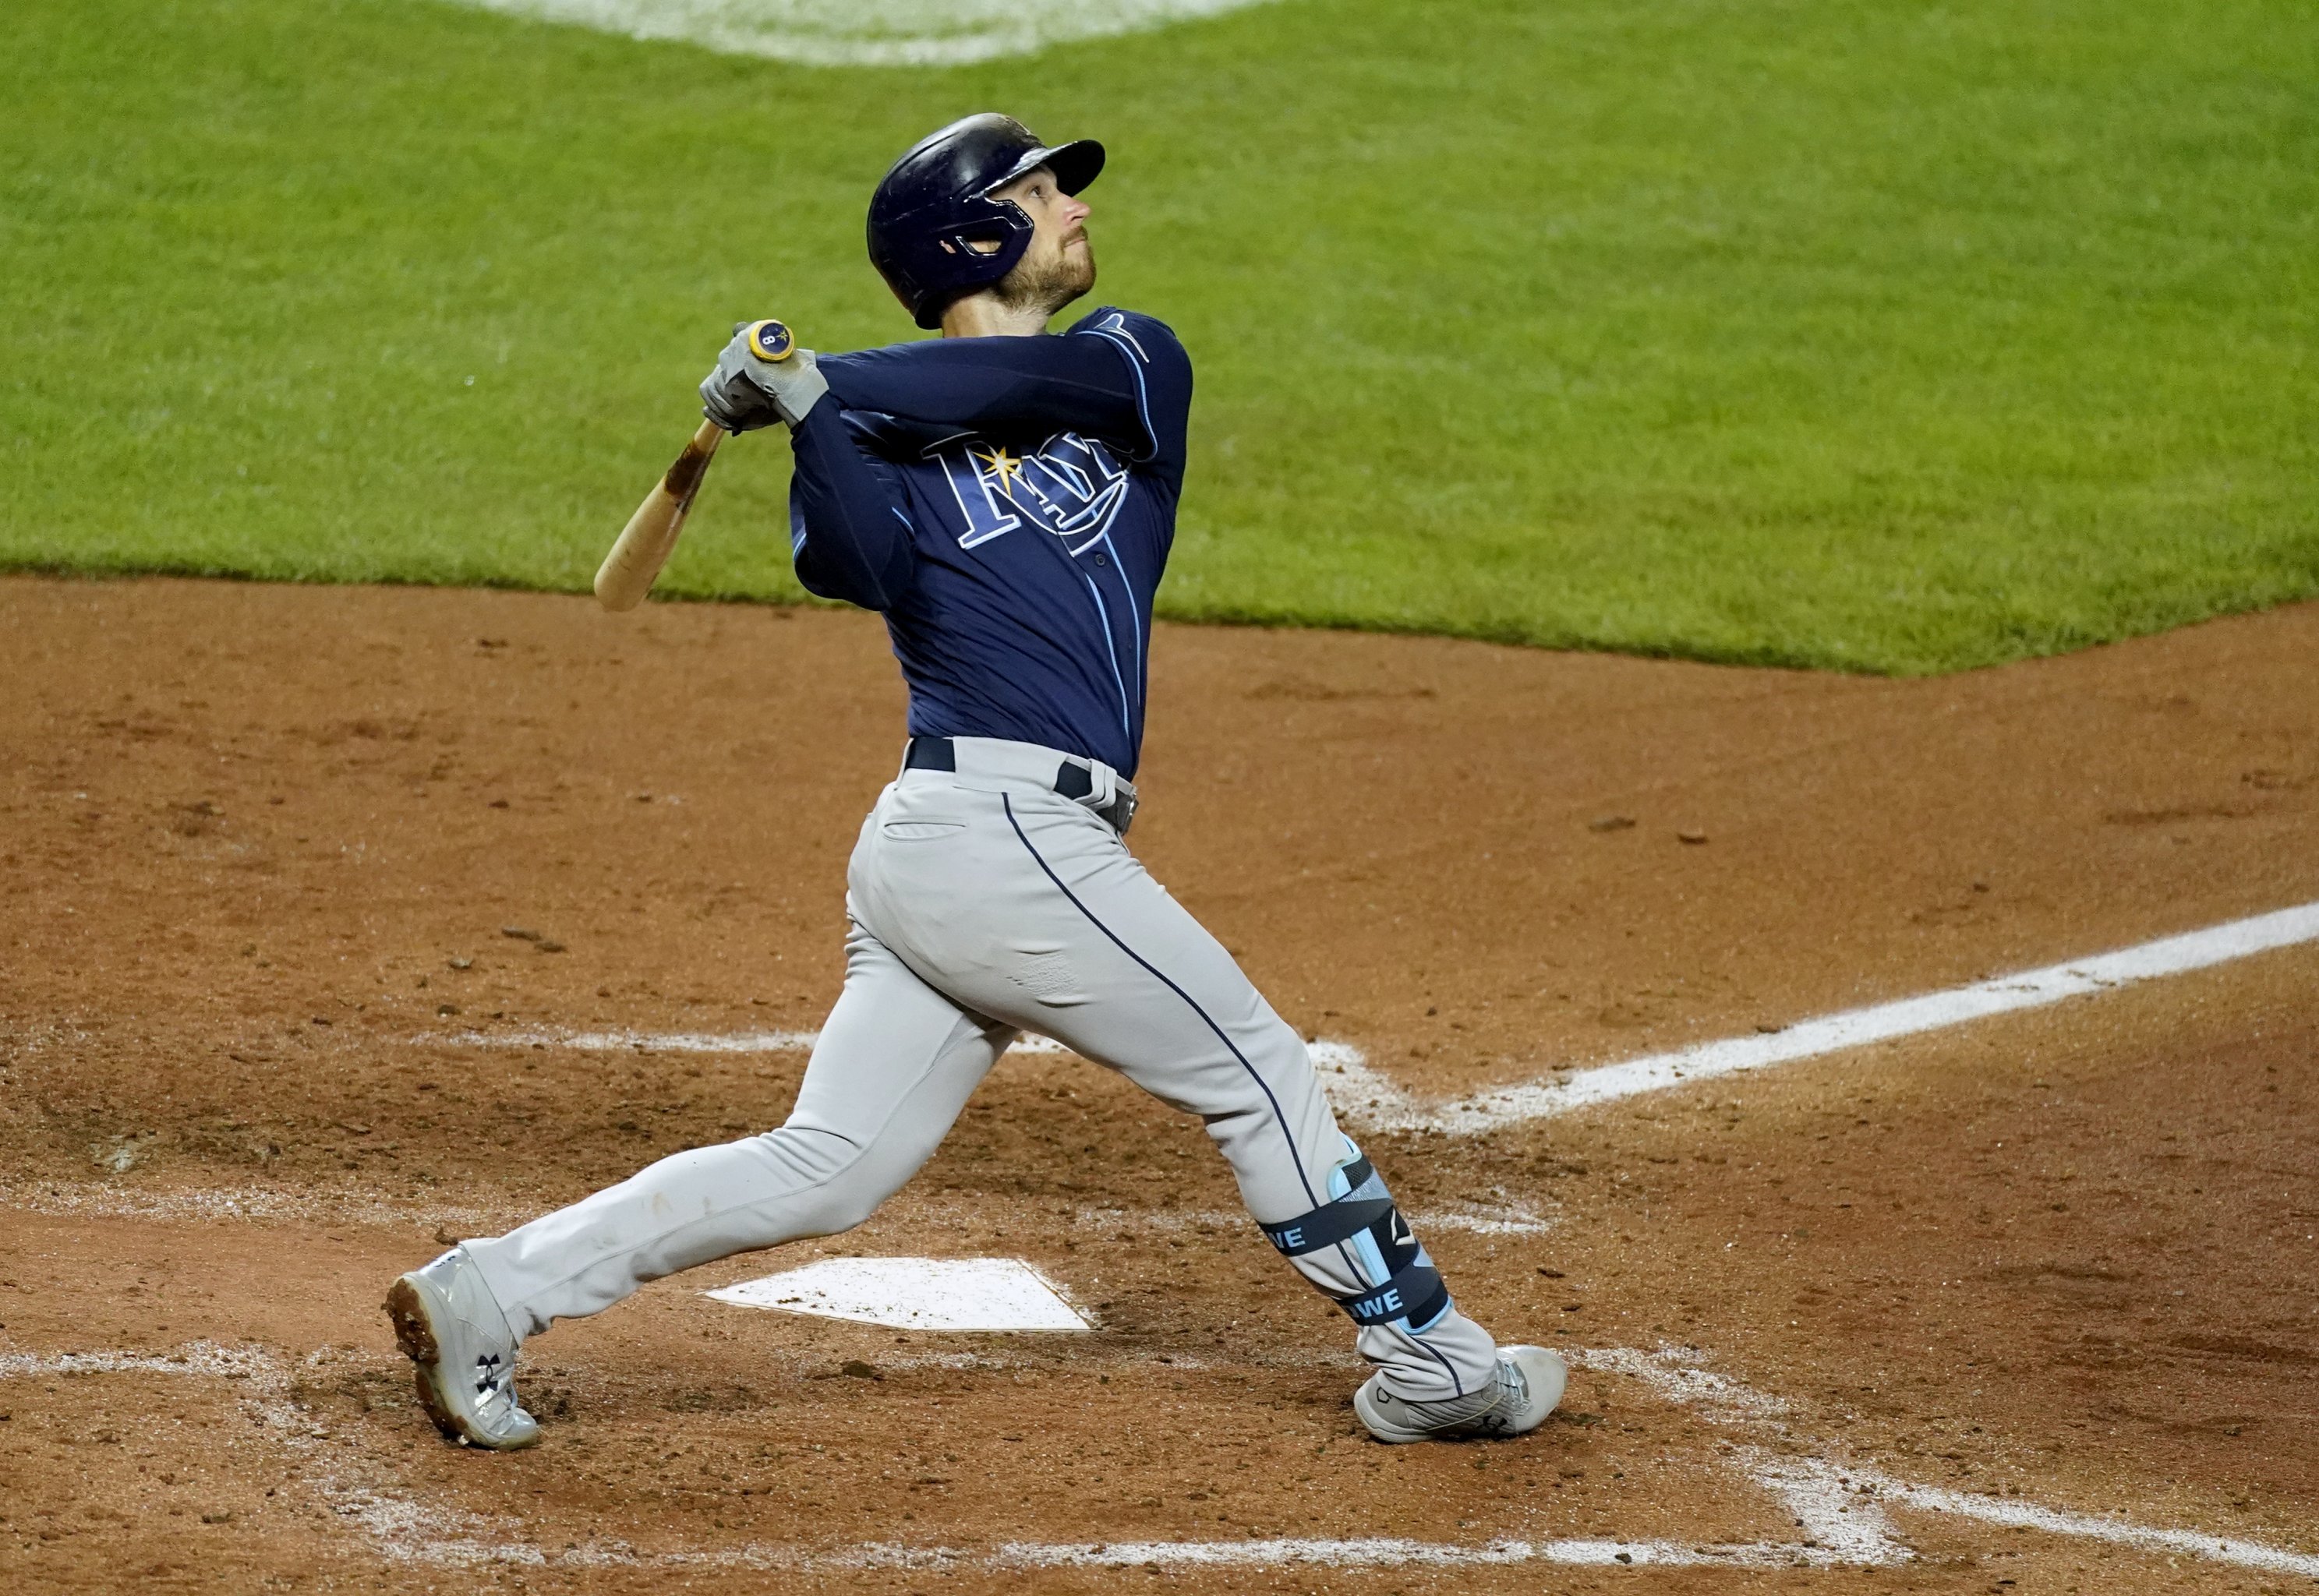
(746, 391)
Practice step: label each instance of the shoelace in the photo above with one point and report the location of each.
(1513, 1391)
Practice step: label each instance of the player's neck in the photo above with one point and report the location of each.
(986, 316)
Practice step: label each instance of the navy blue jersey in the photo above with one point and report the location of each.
(1008, 504)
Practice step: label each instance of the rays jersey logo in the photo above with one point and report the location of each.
(1071, 486)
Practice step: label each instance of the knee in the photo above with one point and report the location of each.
(836, 1181)
(1250, 1132)
(849, 1197)
(804, 1152)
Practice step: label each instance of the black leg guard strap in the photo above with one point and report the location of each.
(1362, 1207)
(1404, 1283)
(1416, 1295)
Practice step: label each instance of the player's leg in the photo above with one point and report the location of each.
(1065, 933)
(892, 1068)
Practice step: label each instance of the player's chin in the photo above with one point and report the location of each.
(1071, 280)
(1078, 269)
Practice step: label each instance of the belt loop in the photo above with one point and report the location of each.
(1102, 787)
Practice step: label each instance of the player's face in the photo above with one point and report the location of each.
(1060, 264)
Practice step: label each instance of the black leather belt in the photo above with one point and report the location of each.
(1073, 780)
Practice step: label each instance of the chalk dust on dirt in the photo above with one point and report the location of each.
(273, 856)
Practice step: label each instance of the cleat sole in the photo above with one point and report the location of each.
(416, 1337)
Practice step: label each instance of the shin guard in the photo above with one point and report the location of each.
(1373, 1248)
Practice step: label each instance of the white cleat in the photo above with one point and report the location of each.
(1529, 1384)
(449, 1325)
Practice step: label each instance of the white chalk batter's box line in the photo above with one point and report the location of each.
(1495, 1215)
(1843, 1509)
(1368, 1097)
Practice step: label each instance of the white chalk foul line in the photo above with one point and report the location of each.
(1814, 1485)
(2028, 1515)
(1377, 1102)
(1365, 1095)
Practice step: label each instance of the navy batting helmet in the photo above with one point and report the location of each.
(933, 205)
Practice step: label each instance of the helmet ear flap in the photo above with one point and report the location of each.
(964, 268)
(1005, 227)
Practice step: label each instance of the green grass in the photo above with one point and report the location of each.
(1877, 336)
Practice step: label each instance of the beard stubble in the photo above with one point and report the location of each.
(1048, 283)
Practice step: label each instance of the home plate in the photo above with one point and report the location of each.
(928, 1294)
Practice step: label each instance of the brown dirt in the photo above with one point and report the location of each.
(257, 841)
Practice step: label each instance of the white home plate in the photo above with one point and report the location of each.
(928, 1294)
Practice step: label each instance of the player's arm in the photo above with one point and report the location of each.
(847, 529)
(991, 385)
(1084, 381)
(1160, 369)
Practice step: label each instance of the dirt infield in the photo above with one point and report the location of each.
(1992, 1308)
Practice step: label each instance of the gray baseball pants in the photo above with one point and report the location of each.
(985, 904)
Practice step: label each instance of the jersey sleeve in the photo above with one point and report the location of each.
(998, 387)
(1161, 371)
(848, 533)
(1116, 375)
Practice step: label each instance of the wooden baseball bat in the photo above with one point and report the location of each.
(629, 570)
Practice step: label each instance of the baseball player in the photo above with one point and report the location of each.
(1006, 497)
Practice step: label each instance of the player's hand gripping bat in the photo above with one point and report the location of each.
(645, 544)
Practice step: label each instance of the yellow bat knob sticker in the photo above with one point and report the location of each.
(771, 340)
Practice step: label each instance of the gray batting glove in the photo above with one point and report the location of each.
(747, 391)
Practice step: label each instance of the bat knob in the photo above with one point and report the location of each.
(771, 341)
